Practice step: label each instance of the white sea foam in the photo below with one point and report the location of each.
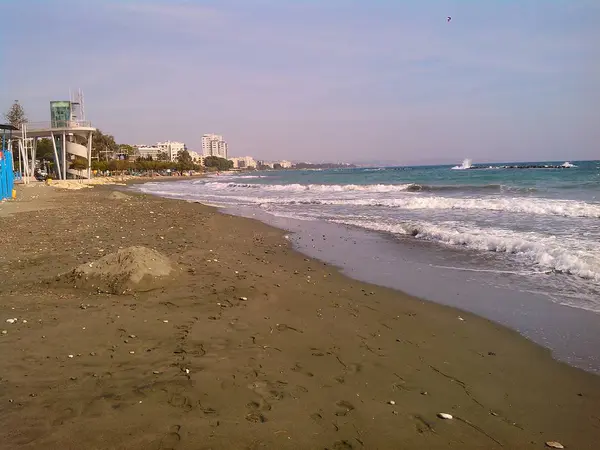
(381, 188)
(291, 194)
(565, 208)
(581, 258)
(466, 164)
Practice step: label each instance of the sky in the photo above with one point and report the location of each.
(319, 80)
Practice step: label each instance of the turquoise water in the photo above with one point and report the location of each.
(542, 224)
(582, 183)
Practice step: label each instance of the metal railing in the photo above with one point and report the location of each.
(36, 126)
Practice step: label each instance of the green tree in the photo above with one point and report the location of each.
(127, 149)
(218, 163)
(103, 145)
(44, 149)
(162, 156)
(16, 115)
(185, 161)
(78, 164)
(99, 165)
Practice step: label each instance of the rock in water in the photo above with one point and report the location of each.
(129, 269)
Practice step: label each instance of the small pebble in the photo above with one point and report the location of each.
(187, 370)
(460, 318)
(131, 352)
(4, 332)
(554, 444)
(392, 402)
(445, 416)
(11, 320)
(132, 336)
(70, 356)
(244, 299)
(165, 321)
(155, 372)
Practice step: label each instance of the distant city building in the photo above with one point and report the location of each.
(196, 157)
(265, 164)
(145, 151)
(214, 145)
(243, 162)
(285, 164)
(169, 148)
(172, 149)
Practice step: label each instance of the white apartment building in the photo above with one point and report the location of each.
(214, 145)
(144, 151)
(243, 162)
(285, 164)
(196, 157)
(172, 149)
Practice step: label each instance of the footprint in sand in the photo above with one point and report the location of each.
(261, 405)
(180, 401)
(422, 425)
(63, 416)
(354, 368)
(344, 408)
(266, 389)
(298, 368)
(256, 417)
(172, 439)
(341, 445)
(317, 417)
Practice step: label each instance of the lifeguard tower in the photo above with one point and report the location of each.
(71, 136)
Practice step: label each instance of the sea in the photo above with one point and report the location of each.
(518, 243)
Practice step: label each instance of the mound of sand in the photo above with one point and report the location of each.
(116, 195)
(128, 270)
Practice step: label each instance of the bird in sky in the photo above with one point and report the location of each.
(449, 19)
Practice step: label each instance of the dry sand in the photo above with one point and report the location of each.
(254, 346)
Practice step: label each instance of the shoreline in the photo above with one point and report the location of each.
(312, 358)
(572, 334)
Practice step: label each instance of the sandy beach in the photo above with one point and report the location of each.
(250, 345)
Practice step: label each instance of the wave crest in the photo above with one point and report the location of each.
(543, 251)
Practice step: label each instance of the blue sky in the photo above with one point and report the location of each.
(316, 80)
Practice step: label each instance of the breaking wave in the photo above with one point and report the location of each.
(537, 206)
(545, 252)
(375, 188)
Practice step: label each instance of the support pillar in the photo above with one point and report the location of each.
(90, 154)
(33, 155)
(64, 155)
(56, 158)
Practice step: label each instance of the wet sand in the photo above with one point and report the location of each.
(310, 359)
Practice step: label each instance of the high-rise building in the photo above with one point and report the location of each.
(214, 145)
